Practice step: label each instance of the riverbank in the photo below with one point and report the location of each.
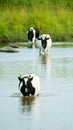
(53, 17)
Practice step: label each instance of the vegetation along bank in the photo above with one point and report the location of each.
(50, 16)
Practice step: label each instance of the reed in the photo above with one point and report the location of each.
(50, 16)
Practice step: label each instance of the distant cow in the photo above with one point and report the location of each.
(29, 85)
(45, 43)
(33, 34)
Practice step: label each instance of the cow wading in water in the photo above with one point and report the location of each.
(45, 44)
(33, 35)
(29, 85)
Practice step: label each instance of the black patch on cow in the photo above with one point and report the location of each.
(31, 89)
(30, 35)
(44, 43)
(37, 32)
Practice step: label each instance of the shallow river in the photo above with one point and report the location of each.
(53, 108)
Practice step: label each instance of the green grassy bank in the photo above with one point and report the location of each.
(50, 16)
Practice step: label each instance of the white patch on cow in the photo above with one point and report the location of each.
(26, 90)
(34, 38)
(21, 84)
(25, 79)
(31, 28)
(36, 83)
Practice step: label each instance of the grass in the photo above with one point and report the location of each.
(50, 16)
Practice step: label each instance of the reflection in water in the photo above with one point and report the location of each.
(45, 59)
(27, 103)
(46, 64)
(30, 112)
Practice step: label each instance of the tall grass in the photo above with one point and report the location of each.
(51, 16)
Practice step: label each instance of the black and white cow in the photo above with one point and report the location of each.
(33, 34)
(29, 85)
(45, 43)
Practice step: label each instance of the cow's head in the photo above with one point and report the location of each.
(25, 85)
(44, 41)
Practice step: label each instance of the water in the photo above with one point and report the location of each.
(53, 108)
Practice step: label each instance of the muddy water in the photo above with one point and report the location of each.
(53, 108)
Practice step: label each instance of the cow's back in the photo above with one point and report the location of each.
(37, 32)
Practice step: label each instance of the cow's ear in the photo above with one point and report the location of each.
(30, 79)
(20, 79)
(39, 38)
(48, 38)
